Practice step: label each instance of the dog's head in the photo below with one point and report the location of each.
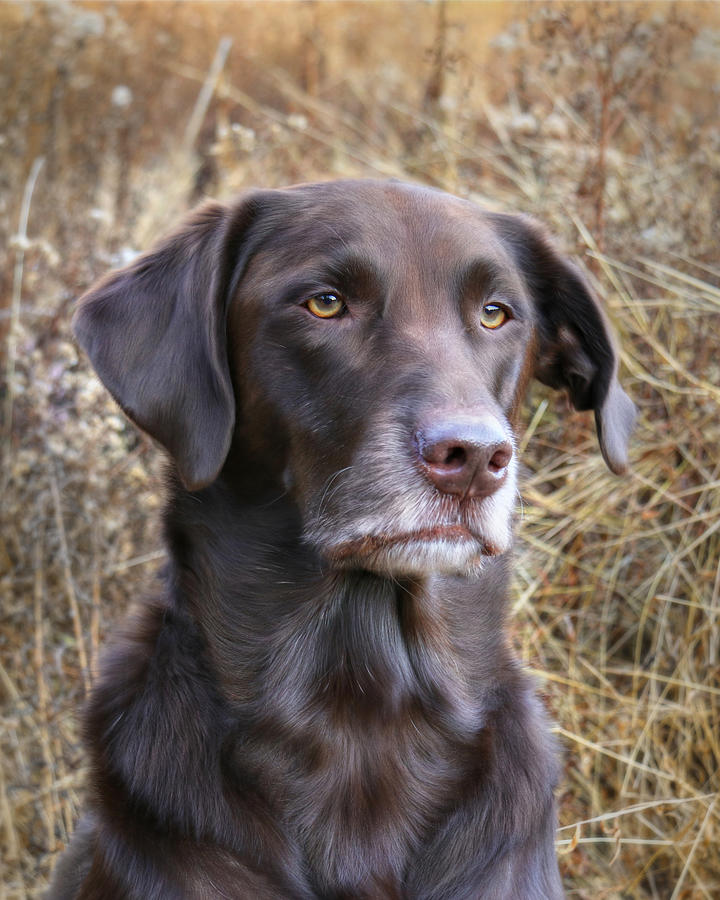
(365, 345)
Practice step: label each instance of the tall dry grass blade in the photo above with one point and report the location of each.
(639, 807)
(69, 582)
(21, 245)
(625, 760)
(8, 821)
(50, 801)
(688, 861)
(697, 283)
(205, 96)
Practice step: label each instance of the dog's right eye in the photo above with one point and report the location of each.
(325, 306)
(493, 316)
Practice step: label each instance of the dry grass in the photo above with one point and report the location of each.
(603, 122)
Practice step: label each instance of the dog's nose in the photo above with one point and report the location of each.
(467, 458)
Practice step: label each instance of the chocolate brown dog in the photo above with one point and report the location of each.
(322, 703)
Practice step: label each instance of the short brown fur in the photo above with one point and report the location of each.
(322, 702)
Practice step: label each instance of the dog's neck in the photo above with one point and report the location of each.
(277, 621)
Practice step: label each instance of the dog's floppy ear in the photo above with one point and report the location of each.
(155, 333)
(576, 350)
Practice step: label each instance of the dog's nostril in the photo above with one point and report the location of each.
(456, 456)
(500, 459)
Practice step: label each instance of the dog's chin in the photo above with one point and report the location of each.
(448, 551)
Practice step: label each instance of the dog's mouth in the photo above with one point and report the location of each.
(372, 545)
(404, 531)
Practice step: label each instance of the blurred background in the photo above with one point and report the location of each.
(599, 119)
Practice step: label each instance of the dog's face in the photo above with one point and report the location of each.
(366, 346)
(372, 334)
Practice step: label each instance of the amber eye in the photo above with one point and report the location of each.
(493, 316)
(325, 306)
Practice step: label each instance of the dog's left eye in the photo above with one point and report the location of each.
(493, 316)
(325, 306)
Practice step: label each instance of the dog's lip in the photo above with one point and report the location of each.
(370, 544)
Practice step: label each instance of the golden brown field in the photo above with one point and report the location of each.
(600, 119)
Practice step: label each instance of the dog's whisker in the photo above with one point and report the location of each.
(327, 487)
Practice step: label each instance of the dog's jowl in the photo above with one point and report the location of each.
(322, 703)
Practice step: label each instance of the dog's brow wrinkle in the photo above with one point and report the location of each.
(485, 272)
(352, 265)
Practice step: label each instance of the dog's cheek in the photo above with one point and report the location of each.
(310, 431)
(316, 469)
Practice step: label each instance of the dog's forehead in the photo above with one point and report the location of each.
(392, 222)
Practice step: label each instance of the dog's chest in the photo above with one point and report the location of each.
(363, 798)
(365, 747)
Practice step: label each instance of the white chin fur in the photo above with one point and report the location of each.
(421, 557)
(377, 543)
(381, 536)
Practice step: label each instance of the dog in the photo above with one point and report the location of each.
(323, 701)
